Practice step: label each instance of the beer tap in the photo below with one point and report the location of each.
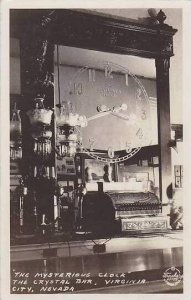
(44, 225)
(81, 192)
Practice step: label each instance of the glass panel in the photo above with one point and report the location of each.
(101, 82)
(117, 95)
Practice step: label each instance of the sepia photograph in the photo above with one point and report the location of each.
(96, 150)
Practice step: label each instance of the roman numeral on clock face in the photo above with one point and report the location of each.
(78, 88)
(127, 79)
(108, 71)
(91, 75)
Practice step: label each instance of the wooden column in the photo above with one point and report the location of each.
(37, 81)
(37, 75)
(163, 103)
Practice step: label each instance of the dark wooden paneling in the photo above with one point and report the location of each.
(91, 31)
(164, 130)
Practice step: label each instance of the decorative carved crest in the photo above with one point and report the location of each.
(37, 59)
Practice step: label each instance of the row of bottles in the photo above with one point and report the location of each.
(47, 207)
(40, 204)
(43, 206)
(15, 135)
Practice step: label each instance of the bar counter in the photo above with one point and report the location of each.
(128, 265)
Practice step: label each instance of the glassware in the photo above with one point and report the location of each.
(66, 115)
(39, 114)
(40, 120)
(15, 135)
(67, 122)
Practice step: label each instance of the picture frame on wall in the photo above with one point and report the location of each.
(177, 181)
(96, 170)
(178, 176)
(65, 166)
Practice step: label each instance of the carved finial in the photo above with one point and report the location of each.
(161, 17)
(152, 16)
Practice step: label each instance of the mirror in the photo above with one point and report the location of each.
(96, 83)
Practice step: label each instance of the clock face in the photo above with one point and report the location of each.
(116, 105)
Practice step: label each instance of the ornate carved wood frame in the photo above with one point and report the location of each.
(39, 30)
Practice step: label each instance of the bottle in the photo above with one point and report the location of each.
(35, 212)
(21, 213)
(56, 213)
(22, 194)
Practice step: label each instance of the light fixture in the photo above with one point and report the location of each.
(15, 135)
(40, 120)
(67, 123)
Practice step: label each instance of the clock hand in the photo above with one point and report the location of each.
(101, 114)
(121, 116)
(131, 119)
(104, 111)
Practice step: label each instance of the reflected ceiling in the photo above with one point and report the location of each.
(71, 56)
(81, 57)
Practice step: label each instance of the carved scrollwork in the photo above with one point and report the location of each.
(144, 225)
(113, 37)
(89, 34)
(109, 36)
(46, 20)
(37, 58)
(74, 28)
(167, 46)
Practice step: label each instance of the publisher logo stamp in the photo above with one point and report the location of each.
(172, 276)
